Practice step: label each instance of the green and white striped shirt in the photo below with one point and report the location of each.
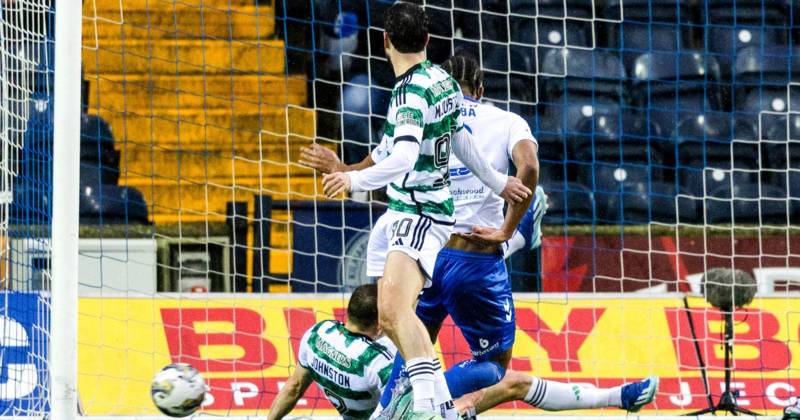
(425, 107)
(350, 368)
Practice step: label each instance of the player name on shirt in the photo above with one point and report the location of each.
(325, 369)
(425, 107)
(350, 368)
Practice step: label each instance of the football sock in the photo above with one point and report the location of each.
(442, 398)
(422, 375)
(471, 375)
(397, 370)
(555, 396)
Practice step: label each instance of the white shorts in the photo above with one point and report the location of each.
(417, 236)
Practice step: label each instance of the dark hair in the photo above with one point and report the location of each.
(362, 310)
(465, 70)
(407, 26)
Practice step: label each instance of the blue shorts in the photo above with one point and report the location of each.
(473, 288)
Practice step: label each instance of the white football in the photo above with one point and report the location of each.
(178, 390)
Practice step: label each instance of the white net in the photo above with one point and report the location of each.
(25, 84)
(203, 241)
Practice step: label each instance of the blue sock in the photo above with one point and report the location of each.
(397, 370)
(472, 375)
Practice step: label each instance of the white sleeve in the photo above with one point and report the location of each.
(380, 152)
(518, 131)
(404, 156)
(304, 352)
(465, 150)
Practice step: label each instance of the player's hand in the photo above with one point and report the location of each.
(488, 236)
(321, 159)
(515, 191)
(335, 183)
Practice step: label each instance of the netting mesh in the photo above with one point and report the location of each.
(668, 138)
(26, 73)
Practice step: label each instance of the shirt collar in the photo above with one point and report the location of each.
(413, 68)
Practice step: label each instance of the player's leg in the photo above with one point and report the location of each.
(558, 396)
(411, 257)
(432, 314)
(528, 234)
(397, 292)
(477, 294)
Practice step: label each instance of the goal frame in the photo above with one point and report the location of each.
(64, 232)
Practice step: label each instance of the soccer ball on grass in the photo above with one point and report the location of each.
(178, 390)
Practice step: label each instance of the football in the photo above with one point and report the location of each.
(178, 390)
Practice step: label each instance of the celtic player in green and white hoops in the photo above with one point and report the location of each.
(347, 360)
(412, 159)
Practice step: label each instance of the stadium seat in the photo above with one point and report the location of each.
(707, 155)
(739, 12)
(563, 117)
(97, 151)
(769, 66)
(638, 202)
(111, 204)
(660, 25)
(723, 42)
(618, 139)
(582, 72)
(748, 203)
(568, 203)
(671, 89)
(772, 100)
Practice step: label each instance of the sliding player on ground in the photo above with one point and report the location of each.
(412, 159)
(470, 280)
(351, 361)
(346, 360)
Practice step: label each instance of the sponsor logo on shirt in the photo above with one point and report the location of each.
(468, 193)
(335, 355)
(454, 172)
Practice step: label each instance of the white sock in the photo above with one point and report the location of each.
(556, 396)
(514, 244)
(421, 374)
(442, 398)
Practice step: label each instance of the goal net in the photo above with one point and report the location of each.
(669, 144)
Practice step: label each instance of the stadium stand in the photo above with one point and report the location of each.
(243, 65)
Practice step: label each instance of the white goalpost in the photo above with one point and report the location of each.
(64, 239)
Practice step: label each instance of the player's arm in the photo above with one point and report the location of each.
(326, 161)
(508, 187)
(408, 123)
(287, 398)
(524, 156)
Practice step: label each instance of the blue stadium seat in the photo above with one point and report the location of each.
(637, 202)
(707, 155)
(771, 65)
(111, 204)
(97, 151)
(723, 42)
(499, 84)
(671, 89)
(727, 12)
(617, 139)
(772, 99)
(568, 203)
(660, 25)
(550, 32)
(581, 72)
(748, 203)
(563, 117)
